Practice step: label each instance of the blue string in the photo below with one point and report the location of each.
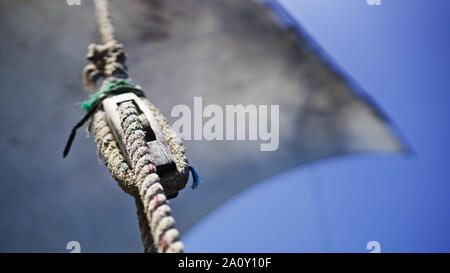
(196, 180)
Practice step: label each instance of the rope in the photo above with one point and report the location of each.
(146, 236)
(155, 204)
(105, 26)
(125, 176)
(158, 232)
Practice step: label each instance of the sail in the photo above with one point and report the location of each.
(226, 52)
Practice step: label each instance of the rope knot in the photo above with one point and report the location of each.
(108, 61)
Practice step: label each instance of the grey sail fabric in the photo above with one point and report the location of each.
(228, 52)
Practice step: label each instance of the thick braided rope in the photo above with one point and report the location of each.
(166, 237)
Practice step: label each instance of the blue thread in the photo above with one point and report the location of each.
(196, 180)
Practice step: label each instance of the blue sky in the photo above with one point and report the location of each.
(398, 53)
